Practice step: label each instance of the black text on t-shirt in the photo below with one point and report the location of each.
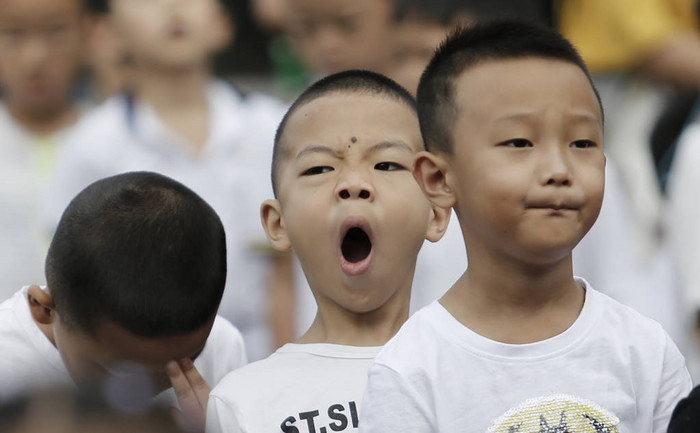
(341, 418)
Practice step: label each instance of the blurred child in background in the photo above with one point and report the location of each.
(41, 43)
(335, 35)
(178, 120)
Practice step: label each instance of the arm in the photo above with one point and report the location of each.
(391, 404)
(675, 384)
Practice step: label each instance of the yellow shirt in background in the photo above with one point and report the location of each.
(614, 35)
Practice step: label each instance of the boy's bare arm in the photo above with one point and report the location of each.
(192, 393)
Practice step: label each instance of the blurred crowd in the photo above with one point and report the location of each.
(93, 88)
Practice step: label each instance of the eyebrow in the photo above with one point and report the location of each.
(388, 144)
(526, 115)
(319, 149)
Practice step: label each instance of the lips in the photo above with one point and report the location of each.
(555, 206)
(355, 247)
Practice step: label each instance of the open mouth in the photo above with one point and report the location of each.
(356, 245)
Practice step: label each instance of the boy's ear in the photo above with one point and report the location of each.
(430, 171)
(40, 304)
(272, 221)
(439, 219)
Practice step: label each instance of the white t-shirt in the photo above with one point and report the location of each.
(684, 213)
(26, 163)
(231, 172)
(30, 362)
(314, 388)
(613, 370)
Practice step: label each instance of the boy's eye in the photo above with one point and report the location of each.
(57, 30)
(583, 144)
(317, 170)
(347, 24)
(518, 142)
(12, 34)
(389, 166)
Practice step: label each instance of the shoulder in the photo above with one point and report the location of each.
(223, 352)
(110, 114)
(258, 381)
(98, 129)
(624, 321)
(10, 314)
(252, 105)
(422, 334)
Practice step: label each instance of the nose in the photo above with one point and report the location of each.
(556, 168)
(34, 52)
(354, 185)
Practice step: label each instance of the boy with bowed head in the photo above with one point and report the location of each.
(135, 272)
(348, 206)
(514, 132)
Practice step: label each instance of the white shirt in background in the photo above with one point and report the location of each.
(231, 172)
(26, 164)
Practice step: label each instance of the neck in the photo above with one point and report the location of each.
(179, 98)
(334, 324)
(505, 299)
(46, 122)
(170, 90)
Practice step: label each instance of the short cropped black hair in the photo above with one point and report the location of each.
(102, 7)
(352, 81)
(445, 11)
(141, 250)
(470, 46)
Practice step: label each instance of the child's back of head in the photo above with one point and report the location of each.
(139, 250)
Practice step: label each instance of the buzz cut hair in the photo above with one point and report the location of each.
(140, 250)
(352, 81)
(467, 47)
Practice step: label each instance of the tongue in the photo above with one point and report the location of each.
(356, 245)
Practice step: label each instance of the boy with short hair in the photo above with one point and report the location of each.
(40, 54)
(608, 255)
(514, 130)
(347, 204)
(336, 35)
(135, 275)
(179, 121)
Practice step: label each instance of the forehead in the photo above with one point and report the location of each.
(414, 33)
(116, 344)
(334, 8)
(31, 11)
(333, 119)
(530, 85)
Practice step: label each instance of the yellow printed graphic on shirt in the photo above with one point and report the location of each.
(556, 414)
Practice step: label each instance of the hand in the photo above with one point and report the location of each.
(192, 393)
